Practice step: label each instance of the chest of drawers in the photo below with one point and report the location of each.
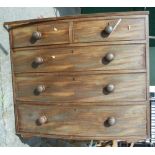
(82, 77)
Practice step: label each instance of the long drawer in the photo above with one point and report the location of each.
(41, 34)
(83, 121)
(109, 30)
(81, 88)
(91, 58)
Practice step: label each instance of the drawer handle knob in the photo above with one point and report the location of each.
(36, 35)
(109, 57)
(42, 120)
(53, 56)
(108, 29)
(110, 88)
(111, 121)
(40, 89)
(38, 60)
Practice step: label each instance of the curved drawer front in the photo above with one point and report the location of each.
(81, 88)
(92, 58)
(41, 34)
(86, 121)
(121, 29)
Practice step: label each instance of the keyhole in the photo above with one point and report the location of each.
(75, 110)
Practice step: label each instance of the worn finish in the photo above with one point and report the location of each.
(81, 88)
(134, 14)
(131, 57)
(127, 29)
(50, 33)
(83, 78)
(83, 120)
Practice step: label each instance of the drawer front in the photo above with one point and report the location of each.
(81, 88)
(98, 30)
(41, 34)
(92, 58)
(87, 121)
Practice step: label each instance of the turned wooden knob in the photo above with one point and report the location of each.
(108, 29)
(110, 88)
(111, 121)
(109, 57)
(36, 35)
(38, 60)
(41, 120)
(40, 88)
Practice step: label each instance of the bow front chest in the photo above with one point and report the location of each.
(81, 77)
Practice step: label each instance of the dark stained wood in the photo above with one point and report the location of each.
(54, 46)
(107, 103)
(128, 139)
(14, 24)
(126, 57)
(13, 80)
(67, 91)
(127, 29)
(84, 120)
(51, 33)
(82, 88)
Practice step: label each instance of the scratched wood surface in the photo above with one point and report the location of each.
(128, 29)
(74, 76)
(131, 57)
(133, 14)
(52, 33)
(83, 31)
(83, 120)
(82, 88)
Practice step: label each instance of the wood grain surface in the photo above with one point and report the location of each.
(52, 33)
(72, 80)
(133, 14)
(126, 57)
(127, 29)
(83, 120)
(81, 88)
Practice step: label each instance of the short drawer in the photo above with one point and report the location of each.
(81, 88)
(41, 34)
(91, 58)
(109, 30)
(95, 122)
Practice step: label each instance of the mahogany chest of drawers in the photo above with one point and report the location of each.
(82, 77)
